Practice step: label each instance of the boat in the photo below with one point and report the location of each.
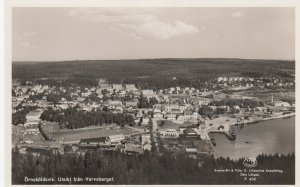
(233, 134)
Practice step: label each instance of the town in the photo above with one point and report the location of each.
(158, 95)
(122, 117)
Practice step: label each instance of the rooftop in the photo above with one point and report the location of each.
(98, 139)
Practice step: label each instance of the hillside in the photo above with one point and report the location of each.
(150, 72)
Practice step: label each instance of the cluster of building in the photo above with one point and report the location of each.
(131, 145)
(30, 128)
(176, 104)
(243, 83)
(187, 139)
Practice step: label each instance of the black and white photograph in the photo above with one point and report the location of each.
(152, 96)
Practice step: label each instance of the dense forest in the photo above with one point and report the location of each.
(147, 73)
(147, 169)
(145, 103)
(72, 118)
(19, 117)
(242, 103)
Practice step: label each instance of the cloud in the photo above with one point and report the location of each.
(138, 24)
(161, 30)
(106, 16)
(237, 14)
(24, 40)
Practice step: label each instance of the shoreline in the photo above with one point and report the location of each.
(290, 118)
(267, 119)
(227, 124)
(250, 122)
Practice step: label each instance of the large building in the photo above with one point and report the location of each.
(117, 86)
(131, 103)
(115, 103)
(169, 133)
(148, 92)
(104, 86)
(130, 87)
(133, 149)
(189, 134)
(33, 117)
(116, 138)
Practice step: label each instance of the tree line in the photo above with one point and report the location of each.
(73, 118)
(145, 103)
(242, 103)
(207, 111)
(19, 117)
(146, 73)
(149, 168)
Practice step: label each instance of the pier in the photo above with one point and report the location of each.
(229, 135)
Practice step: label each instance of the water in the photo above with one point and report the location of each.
(269, 137)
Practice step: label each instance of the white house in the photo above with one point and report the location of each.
(145, 121)
(116, 138)
(130, 87)
(169, 133)
(282, 104)
(147, 92)
(34, 131)
(158, 115)
(145, 139)
(117, 86)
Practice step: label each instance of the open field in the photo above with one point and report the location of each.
(265, 95)
(16, 136)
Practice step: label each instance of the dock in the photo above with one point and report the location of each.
(229, 135)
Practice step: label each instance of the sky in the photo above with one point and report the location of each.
(54, 34)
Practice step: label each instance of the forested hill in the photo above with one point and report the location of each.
(157, 73)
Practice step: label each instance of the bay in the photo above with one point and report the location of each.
(268, 137)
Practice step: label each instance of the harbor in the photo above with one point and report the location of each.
(251, 139)
(224, 125)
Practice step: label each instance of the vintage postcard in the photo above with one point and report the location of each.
(164, 95)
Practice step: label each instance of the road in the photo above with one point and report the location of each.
(154, 133)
